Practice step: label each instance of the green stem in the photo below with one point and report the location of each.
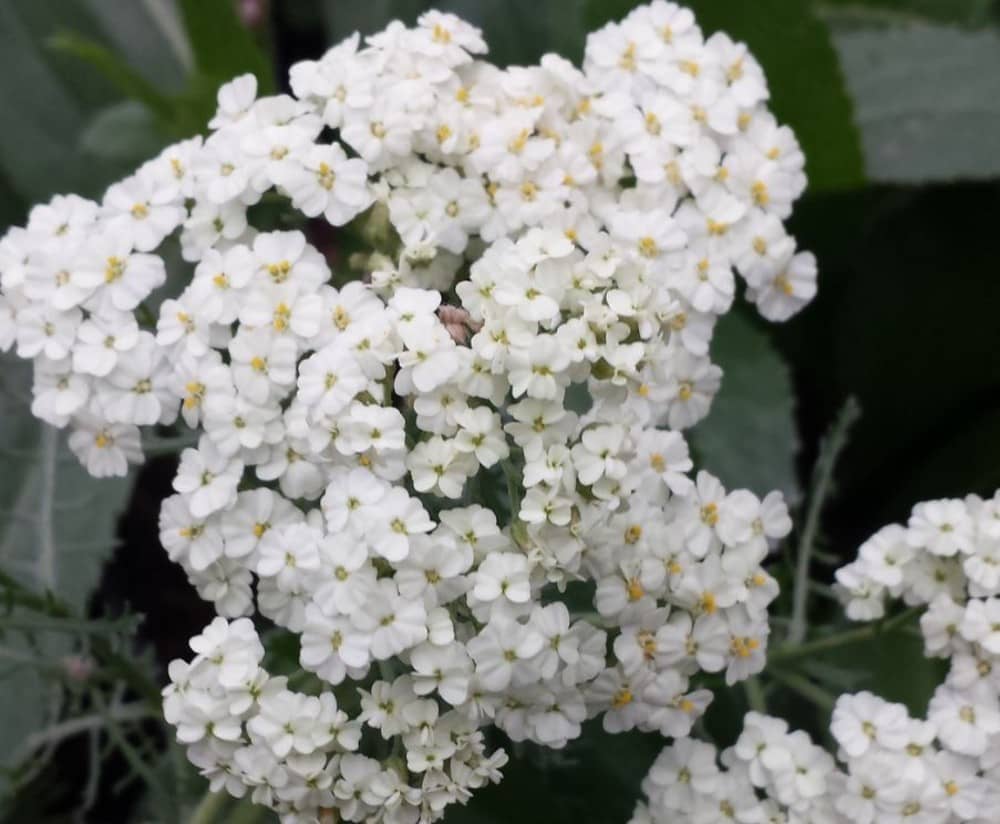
(19, 595)
(755, 695)
(132, 755)
(169, 446)
(833, 445)
(517, 527)
(789, 652)
(210, 808)
(45, 623)
(122, 666)
(806, 688)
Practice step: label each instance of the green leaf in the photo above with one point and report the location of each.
(807, 89)
(342, 19)
(49, 97)
(128, 81)
(927, 100)
(123, 132)
(965, 12)
(57, 528)
(749, 438)
(223, 47)
(516, 31)
(594, 779)
(149, 35)
(896, 670)
(519, 32)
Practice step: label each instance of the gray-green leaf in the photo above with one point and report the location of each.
(749, 438)
(927, 100)
(57, 528)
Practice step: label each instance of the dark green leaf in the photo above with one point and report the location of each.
(57, 527)
(895, 669)
(148, 34)
(223, 47)
(128, 81)
(965, 12)
(123, 132)
(49, 97)
(749, 438)
(594, 779)
(927, 100)
(517, 31)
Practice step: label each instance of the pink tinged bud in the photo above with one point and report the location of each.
(78, 668)
(252, 13)
(458, 322)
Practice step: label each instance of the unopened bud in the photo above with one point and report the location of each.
(78, 668)
(458, 322)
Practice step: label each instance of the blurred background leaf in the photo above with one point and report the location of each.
(57, 528)
(749, 438)
(966, 12)
(595, 778)
(927, 99)
(223, 46)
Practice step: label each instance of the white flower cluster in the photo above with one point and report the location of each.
(769, 775)
(896, 769)
(947, 560)
(248, 731)
(478, 416)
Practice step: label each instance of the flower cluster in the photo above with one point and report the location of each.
(894, 769)
(417, 470)
(944, 769)
(248, 731)
(946, 561)
(768, 775)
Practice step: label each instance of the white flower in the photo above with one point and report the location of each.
(862, 720)
(965, 721)
(395, 623)
(942, 527)
(208, 478)
(141, 212)
(503, 653)
(503, 574)
(105, 449)
(324, 181)
(398, 517)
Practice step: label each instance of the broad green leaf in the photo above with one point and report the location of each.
(223, 47)
(50, 97)
(342, 19)
(57, 528)
(126, 79)
(149, 35)
(517, 32)
(594, 779)
(749, 438)
(123, 132)
(964, 12)
(894, 668)
(927, 100)
(807, 89)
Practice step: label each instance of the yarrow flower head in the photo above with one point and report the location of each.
(407, 458)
